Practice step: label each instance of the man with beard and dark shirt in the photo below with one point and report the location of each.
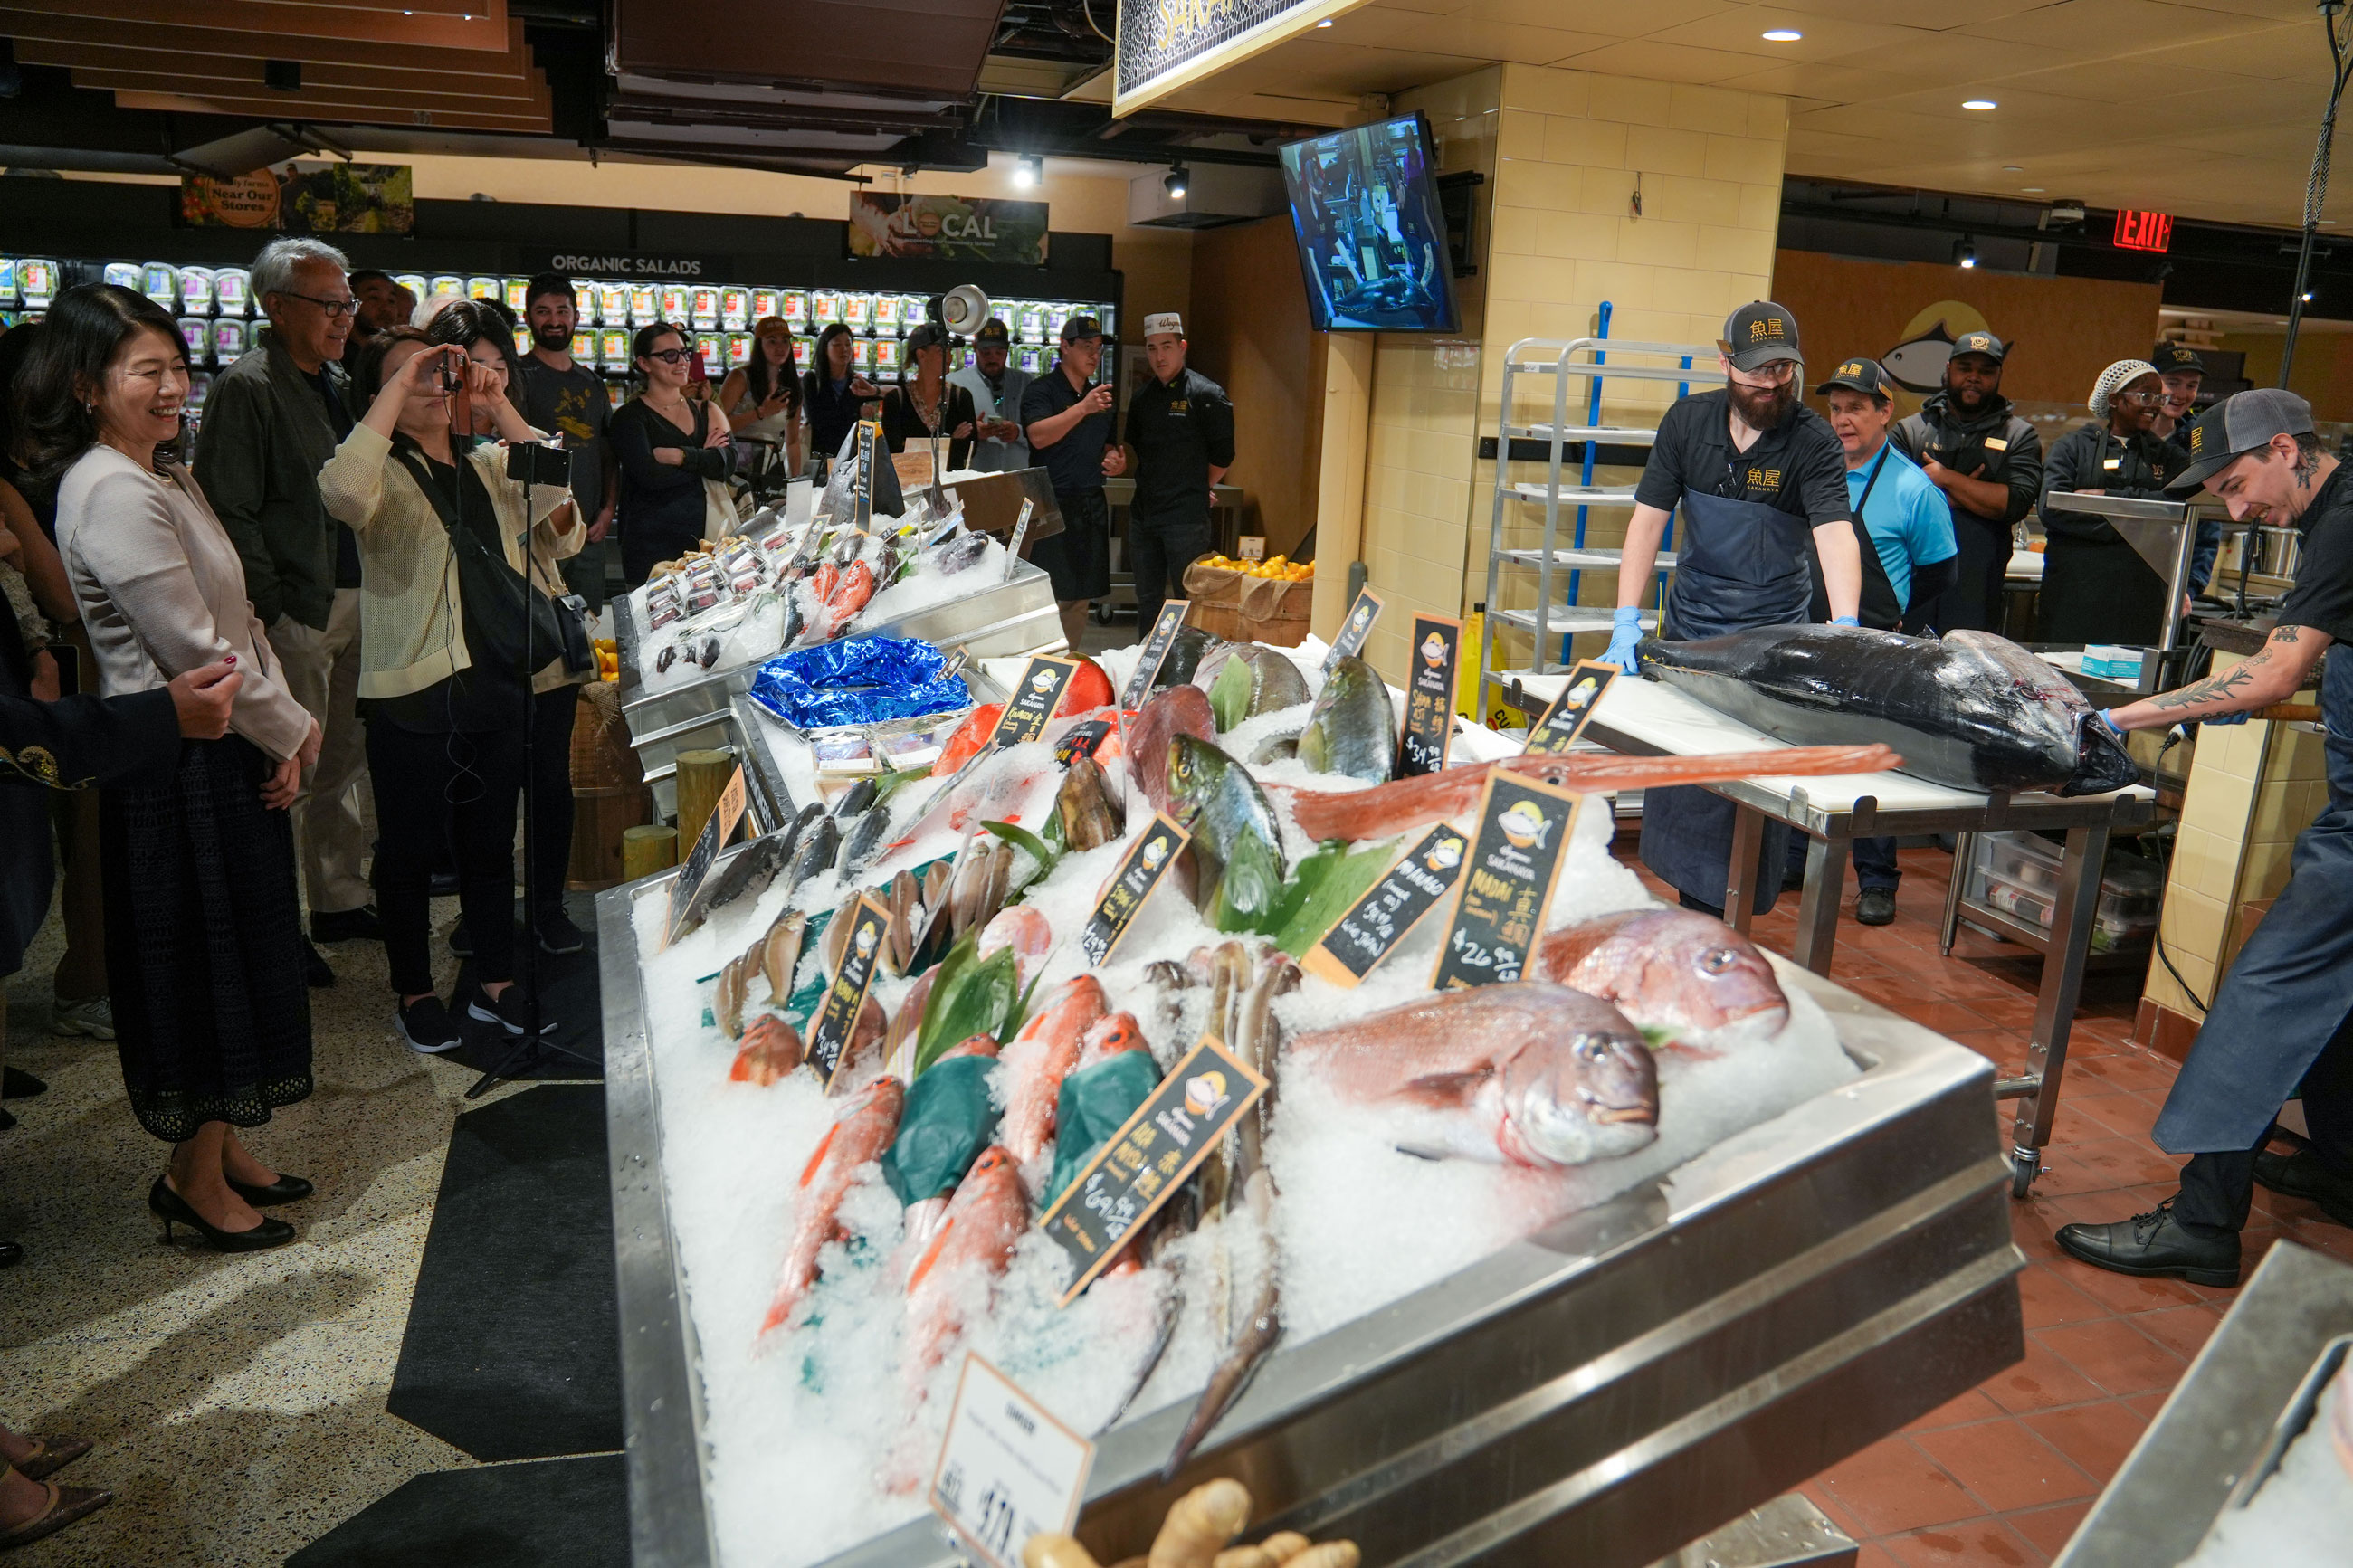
(571, 400)
(1757, 474)
(1989, 463)
(2181, 373)
(997, 385)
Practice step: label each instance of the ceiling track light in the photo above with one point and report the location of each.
(1175, 182)
(1965, 252)
(1028, 169)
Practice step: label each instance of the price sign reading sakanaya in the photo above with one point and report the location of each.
(1382, 919)
(1566, 720)
(1035, 697)
(1155, 652)
(1436, 650)
(717, 829)
(869, 432)
(1008, 1470)
(1524, 829)
(1149, 1158)
(1354, 629)
(845, 998)
(1020, 533)
(1140, 870)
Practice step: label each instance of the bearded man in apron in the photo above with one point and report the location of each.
(2282, 1021)
(1757, 473)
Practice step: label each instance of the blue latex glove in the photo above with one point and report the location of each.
(1847, 621)
(1626, 630)
(2106, 719)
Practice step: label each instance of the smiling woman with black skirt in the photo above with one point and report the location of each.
(211, 1014)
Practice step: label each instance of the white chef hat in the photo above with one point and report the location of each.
(1167, 321)
(2124, 373)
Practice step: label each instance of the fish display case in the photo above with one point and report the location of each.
(1601, 1392)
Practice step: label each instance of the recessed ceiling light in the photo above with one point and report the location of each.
(2328, 222)
(2029, 190)
(1324, 23)
(1783, 35)
(2013, 168)
(1979, 103)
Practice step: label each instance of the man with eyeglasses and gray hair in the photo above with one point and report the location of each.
(272, 421)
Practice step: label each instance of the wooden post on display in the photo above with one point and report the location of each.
(645, 850)
(700, 777)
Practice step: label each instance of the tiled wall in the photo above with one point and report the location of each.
(1564, 152)
(2252, 788)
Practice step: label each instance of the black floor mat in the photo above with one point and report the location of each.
(512, 1347)
(551, 1513)
(570, 996)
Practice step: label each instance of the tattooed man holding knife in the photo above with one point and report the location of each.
(2283, 1016)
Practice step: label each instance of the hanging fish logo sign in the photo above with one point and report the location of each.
(1525, 825)
(1916, 363)
(1433, 650)
(1156, 852)
(865, 942)
(1445, 855)
(1042, 681)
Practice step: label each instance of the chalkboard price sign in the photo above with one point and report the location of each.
(1354, 629)
(845, 998)
(1506, 884)
(1383, 917)
(1434, 654)
(1140, 870)
(1035, 697)
(1566, 720)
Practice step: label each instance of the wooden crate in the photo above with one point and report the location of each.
(599, 815)
(1241, 608)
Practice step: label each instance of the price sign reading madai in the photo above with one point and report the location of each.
(1524, 830)
(1007, 1470)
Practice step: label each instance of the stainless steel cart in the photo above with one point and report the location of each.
(1600, 1393)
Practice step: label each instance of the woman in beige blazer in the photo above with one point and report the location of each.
(444, 730)
(204, 945)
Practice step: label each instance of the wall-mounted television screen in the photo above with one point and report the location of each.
(1372, 242)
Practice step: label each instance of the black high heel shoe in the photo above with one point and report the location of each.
(173, 1209)
(286, 1189)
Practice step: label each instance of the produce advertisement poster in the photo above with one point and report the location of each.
(1165, 44)
(1149, 1158)
(1524, 829)
(305, 198)
(947, 228)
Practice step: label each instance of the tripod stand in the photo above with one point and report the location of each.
(530, 1052)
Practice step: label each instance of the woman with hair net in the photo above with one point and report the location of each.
(2096, 586)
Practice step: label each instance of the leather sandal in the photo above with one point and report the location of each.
(68, 1505)
(50, 1455)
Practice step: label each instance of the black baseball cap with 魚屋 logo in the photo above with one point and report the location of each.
(1984, 343)
(2177, 359)
(1760, 333)
(1867, 376)
(2240, 424)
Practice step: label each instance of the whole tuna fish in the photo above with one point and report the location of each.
(1353, 728)
(1971, 709)
(1236, 844)
(1667, 969)
(1528, 1074)
(1245, 679)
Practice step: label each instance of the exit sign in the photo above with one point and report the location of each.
(2144, 231)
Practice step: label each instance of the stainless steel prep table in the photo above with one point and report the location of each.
(1599, 1392)
(2224, 1425)
(1642, 718)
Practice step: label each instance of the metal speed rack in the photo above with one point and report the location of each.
(1567, 485)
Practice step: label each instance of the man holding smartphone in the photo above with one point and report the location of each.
(1068, 421)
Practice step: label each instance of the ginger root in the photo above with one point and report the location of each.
(1330, 1554)
(1055, 1551)
(1199, 1524)
(1283, 1545)
(1242, 1557)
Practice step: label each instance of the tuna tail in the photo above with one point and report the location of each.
(2103, 763)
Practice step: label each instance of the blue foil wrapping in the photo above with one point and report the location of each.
(859, 682)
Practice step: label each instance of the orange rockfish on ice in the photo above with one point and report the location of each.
(856, 1140)
(957, 1271)
(1040, 1057)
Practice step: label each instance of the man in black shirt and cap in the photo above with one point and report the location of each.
(2181, 373)
(1068, 423)
(2282, 1021)
(1989, 463)
(1182, 427)
(1757, 474)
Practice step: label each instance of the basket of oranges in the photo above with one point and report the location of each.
(1251, 601)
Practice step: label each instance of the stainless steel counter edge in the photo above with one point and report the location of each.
(661, 1397)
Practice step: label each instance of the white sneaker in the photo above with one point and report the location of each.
(94, 1017)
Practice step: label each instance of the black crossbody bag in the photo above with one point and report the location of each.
(503, 597)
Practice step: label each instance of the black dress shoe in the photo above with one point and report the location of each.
(361, 924)
(2302, 1176)
(16, 1083)
(173, 1209)
(315, 973)
(11, 1254)
(1875, 907)
(2155, 1244)
(461, 941)
(286, 1189)
(444, 885)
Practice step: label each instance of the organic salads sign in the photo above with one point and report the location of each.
(947, 228)
(309, 198)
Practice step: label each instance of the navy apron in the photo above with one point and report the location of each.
(1741, 565)
(2291, 986)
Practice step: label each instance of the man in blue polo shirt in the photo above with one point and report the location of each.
(1911, 562)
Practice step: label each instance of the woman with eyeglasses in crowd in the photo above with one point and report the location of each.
(2096, 586)
(926, 409)
(672, 450)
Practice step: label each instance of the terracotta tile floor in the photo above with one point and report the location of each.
(2002, 1475)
